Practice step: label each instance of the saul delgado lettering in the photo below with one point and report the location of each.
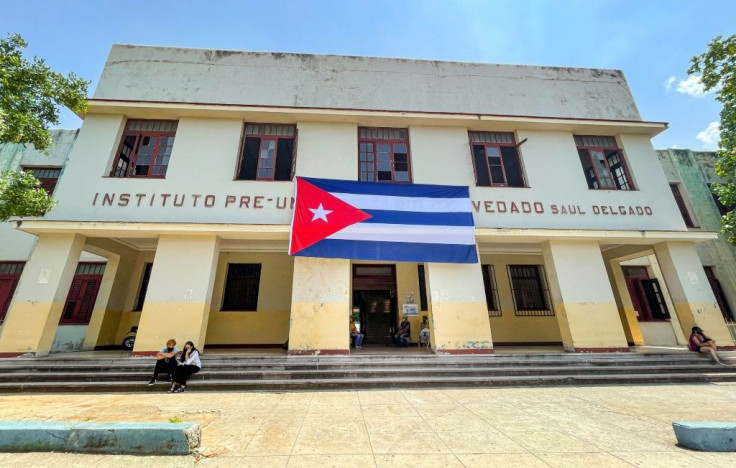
(537, 207)
(195, 200)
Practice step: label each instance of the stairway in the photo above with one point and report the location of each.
(282, 373)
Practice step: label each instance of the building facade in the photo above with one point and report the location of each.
(691, 175)
(183, 179)
(16, 246)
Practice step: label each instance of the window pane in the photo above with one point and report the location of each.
(249, 163)
(512, 166)
(145, 155)
(481, 166)
(605, 177)
(284, 158)
(493, 154)
(241, 286)
(590, 176)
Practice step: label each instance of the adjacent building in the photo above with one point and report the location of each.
(182, 178)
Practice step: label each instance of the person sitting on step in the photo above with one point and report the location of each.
(357, 337)
(424, 332)
(404, 333)
(190, 364)
(699, 342)
(165, 361)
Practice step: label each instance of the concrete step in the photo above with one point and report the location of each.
(359, 373)
(372, 383)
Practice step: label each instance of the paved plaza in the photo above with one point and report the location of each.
(510, 427)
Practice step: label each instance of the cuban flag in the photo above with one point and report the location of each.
(375, 221)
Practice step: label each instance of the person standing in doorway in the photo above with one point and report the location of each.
(190, 364)
(165, 361)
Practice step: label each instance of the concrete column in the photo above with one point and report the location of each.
(691, 294)
(674, 319)
(459, 318)
(583, 301)
(179, 293)
(320, 306)
(623, 302)
(100, 308)
(33, 318)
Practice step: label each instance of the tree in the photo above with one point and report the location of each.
(30, 95)
(717, 70)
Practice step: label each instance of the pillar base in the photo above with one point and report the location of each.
(599, 350)
(465, 351)
(318, 352)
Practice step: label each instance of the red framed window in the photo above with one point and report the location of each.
(241, 287)
(268, 152)
(681, 205)
(48, 176)
(383, 155)
(80, 301)
(603, 163)
(496, 160)
(9, 277)
(145, 149)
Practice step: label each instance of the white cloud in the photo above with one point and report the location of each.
(670, 81)
(710, 136)
(690, 86)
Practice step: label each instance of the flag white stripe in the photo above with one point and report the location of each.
(417, 204)
(459, 235)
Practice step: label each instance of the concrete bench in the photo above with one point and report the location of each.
(92, 437)
(706, 436)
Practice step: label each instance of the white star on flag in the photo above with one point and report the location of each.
(320, 213)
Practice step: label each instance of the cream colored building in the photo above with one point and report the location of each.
(182, 177)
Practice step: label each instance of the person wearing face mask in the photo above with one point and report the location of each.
(165, 361)
(190, 364)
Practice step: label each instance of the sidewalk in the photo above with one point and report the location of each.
(510, 427)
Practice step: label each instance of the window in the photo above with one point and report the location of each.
(496, 160)
(80, 301)
(9, 278)
(721, 208)
(145, 149)
(603, 163)
(681, 205)
(48, 176)
(383, 155)
(241, 286)
(529, 291)
(268, 152)
(144, 287)
(489, 281)
(422, 288)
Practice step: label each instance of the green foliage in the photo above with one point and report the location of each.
(175, 419)
(30, 96)
(717, 68)
(21, 195)
(30, 93)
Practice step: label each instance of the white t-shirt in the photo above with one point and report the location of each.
(166, 351)
(194, 360)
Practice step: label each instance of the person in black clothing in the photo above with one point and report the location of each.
(404, 333)
(165, 361)
(190, 364)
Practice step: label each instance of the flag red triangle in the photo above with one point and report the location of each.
(318, 214)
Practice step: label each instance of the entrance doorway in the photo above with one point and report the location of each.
(374, 294)
(646, 294)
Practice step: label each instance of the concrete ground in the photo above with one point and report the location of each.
(510, 427)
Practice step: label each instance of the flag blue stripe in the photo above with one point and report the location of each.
(395, 251)
(419, 219)
(392, 189)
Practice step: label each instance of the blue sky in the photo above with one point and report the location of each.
(652, 41)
